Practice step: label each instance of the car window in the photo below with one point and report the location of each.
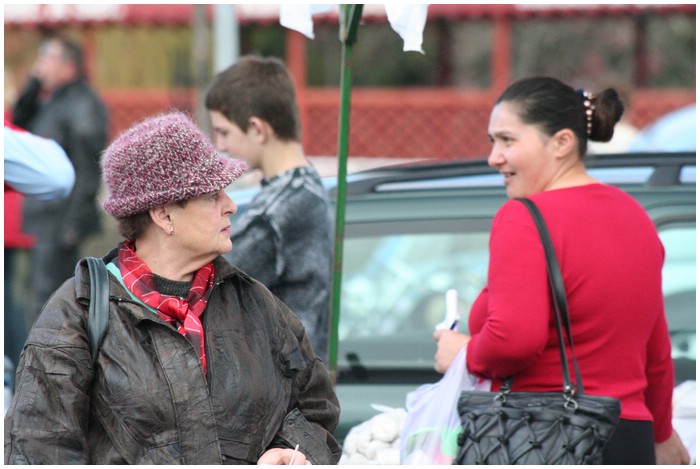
(395, 277)
(679, 295)
(393, 292)
(687, 175)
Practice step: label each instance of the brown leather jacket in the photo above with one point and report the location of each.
(146, 400)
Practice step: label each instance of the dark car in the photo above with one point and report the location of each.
(414, 232)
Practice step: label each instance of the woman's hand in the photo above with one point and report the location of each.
(449, 343)
(672, 451)
(283, 456)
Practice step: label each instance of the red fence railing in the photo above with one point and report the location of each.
(442, 124)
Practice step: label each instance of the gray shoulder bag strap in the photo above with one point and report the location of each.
(558, 291)
(98, 312)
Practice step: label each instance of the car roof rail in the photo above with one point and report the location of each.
(666, 169)
(667, 166)
(367, 181)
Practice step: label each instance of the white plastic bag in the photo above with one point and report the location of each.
(429, 435)
(375, 441)
(684, 420)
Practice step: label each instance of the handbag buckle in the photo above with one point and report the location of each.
(502, 395)
(570, 403)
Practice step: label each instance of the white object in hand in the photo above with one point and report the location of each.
(451, 311)
(296, 448)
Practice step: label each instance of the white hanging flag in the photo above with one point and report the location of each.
(407, 20)
(298, 17)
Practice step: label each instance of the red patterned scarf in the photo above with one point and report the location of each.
(183, 314)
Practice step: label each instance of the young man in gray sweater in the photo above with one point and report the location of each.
(285, 237)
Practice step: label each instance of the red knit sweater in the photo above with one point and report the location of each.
(611, 259)
(14, 236)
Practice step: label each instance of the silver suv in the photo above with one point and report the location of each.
(414, 232)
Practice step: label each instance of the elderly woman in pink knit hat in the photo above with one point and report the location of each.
(200, 363)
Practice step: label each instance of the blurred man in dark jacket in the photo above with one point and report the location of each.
(58, 103)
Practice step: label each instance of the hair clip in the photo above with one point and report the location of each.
(588, 107)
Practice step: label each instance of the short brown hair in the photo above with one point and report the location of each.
(133, 226)
(257, 87)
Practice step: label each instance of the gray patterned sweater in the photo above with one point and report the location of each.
(285, 240)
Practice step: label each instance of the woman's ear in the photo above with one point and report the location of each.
(161, 218)
(564, 142)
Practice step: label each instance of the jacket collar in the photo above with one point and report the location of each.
(223, 271)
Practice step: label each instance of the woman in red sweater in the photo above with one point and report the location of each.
(611, 259)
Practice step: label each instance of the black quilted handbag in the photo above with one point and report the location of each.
(507, 427)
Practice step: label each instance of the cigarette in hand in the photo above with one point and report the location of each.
(296, 448)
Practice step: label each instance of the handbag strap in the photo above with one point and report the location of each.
(98, 312)
(561, 307)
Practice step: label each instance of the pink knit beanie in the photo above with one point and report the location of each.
(162, 160)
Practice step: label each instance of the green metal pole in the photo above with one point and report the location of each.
(349, 21)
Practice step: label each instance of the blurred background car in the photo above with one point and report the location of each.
(675, 131)
(415, 231)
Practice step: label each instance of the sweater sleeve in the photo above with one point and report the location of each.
(514, 330)
(36, 166)
(660, 379)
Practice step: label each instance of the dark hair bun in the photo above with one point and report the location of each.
(607, 113)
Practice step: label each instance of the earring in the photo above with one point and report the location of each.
(171, 231)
